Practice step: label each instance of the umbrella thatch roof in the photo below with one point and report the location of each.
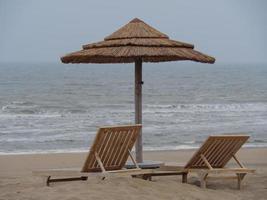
(136, 40)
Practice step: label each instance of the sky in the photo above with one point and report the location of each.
(233, 31)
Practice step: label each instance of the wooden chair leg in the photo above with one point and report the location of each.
(48, 180)
(143, 176)
(240, 177)
(147, 177)
(202, 177)
(184, 178)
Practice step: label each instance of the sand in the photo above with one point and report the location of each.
(17, 181)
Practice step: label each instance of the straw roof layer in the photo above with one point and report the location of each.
(136, 40)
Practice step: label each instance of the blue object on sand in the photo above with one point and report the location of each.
(147, 164)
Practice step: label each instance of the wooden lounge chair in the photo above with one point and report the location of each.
(211, 158)
(108, 154)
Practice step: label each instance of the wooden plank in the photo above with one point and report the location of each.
(221, 177)
(122, 147)
(184, 177)
(130, 144)
(121, 136)
(212, 149)
(106, 143)
(206, 161)
(211, 146)
(95, 148)
(195, 158)
(224, 153)
(202, 177)
(101, 146)
(215, 160)
(224, 170)
(60, 172)
(77, 172)
(241, 135)
(209, 151)
(117, 147)
(113, 152)
(238, 144)
(133, 160)
(90, 156)
(99, 162)
(107, 153)
(214, 154)
(240, 177)
(227, 154)
(171, 168)
(112, 149)
(121, 127)
(125, 154)
(238, 162)
(220, 152)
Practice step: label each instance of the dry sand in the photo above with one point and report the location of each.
(17, 181)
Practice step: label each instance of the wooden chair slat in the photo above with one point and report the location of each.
(235, 147)
(195, 158)
(228, 153)
(210, 151)
(128, 145)
(210, 146)
(89, 161)
(105, 153)
(218, 150)
(113, 148)
(112, 145)
(117, 147)
(223, 153)
(118, 138)
(216, 153)
(123, 137)
(101, 146)
(123, 147)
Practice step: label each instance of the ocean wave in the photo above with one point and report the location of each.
(47, 151)
(31, 108)
(234, 107)
(85, 149)
(37, 140)
(20, 107)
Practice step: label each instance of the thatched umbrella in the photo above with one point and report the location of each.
(136, 42)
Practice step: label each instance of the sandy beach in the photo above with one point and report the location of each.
(17, 181)
(159, 79)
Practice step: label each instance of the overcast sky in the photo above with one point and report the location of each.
(233, 31)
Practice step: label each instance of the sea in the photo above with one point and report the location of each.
(54, 107)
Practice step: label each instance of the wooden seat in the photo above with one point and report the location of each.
(213, 155)
(108, 154)
(111, 148)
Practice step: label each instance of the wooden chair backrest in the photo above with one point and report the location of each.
(218, 150)
(112, 144)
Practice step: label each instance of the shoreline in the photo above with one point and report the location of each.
(85, 151)
(17, 164)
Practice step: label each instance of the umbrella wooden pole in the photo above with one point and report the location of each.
(138, 108)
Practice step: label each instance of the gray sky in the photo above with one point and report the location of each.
(233, 31)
